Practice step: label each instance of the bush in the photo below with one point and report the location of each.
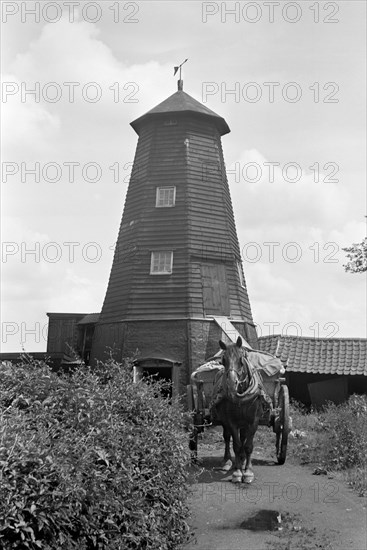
(90, 461)
(346, 426)
(336, 437)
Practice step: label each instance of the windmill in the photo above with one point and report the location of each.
(183, 289)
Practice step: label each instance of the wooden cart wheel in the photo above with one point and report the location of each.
(196, 402)
(193, 438)
(193, 444)
(283, 429)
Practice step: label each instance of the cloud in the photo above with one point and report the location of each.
(266, 283)
(29, 127)
(80, 86)
(289, 191)
(291, 239)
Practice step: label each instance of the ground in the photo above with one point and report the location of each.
(285, 508)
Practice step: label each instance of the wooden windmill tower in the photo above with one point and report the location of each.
(176, 285)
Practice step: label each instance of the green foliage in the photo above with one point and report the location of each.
(335, 437)
(357, 255)
(90, 461)
(346, 426)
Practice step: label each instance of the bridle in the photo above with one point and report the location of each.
(241, 383)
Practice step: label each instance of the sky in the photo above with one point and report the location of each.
(289, 79)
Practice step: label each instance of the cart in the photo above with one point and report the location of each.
(276, 416)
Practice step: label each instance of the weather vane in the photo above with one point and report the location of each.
(180, 83)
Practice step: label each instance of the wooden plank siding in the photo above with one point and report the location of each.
(63, 331)
(199, 229)
(132, 292)
(212, 230)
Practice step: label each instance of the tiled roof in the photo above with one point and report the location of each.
(318, 355)
(181, 102)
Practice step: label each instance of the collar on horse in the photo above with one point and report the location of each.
(252, 381)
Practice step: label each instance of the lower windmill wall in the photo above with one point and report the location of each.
(159, 339)
(187, 343)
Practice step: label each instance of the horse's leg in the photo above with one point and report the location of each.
(221, 417)
(248, 446)
(239, 457)
(227, 460)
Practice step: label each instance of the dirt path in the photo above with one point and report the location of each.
(285, 508)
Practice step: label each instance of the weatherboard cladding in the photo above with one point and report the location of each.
(341, 356)
(132, 291)
(199, 229)
(212, 229)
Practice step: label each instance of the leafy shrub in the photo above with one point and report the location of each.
(346, 426)
(90, 461)
(336, 437)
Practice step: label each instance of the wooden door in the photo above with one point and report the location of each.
(215, 289)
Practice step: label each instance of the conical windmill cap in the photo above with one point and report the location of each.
(181, 102)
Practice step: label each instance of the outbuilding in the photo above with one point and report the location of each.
(319, 370)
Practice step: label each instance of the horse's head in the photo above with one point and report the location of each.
(236, 369)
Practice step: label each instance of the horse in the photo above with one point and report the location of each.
(239, 410)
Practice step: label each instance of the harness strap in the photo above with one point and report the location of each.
(254, 387)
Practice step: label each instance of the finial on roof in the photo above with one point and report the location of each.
(179, 82)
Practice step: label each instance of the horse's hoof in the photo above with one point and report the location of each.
(248, 477)
(237, 476)
(226, 466)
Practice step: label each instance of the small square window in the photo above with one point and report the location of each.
(161, 263)
(165, 197)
